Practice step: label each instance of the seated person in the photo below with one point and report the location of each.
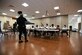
(42, 26)
(52, 27)
(65, 27)
(36, 30)
(36, 27)
(47, 27)
(58, 28)
(64, 30)
(32, 27)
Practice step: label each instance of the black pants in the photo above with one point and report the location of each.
(14, 30)
(37, 33)
(52, 33)
(64, 31)
(22, 30)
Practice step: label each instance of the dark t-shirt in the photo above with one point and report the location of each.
(21, 21)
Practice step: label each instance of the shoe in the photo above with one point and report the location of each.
(26, 40)
(20, 41)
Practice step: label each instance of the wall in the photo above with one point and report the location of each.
(73, 21)
(46, 21)
(64, 21)
(36, 21)
(3, 19)
(59, 20)
(56, 21)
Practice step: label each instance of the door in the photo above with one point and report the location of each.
(79, 27)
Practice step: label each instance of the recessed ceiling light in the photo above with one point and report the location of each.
(56, 8)
(12, 10)
(79, 11)
(25, 14)
(25, 4)
(43, 16)
(76, 15)
(58, 13)
(37, 12)
(4, 14)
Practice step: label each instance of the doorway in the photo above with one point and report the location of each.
(79, 27)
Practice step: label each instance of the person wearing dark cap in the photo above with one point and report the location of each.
(21, 21)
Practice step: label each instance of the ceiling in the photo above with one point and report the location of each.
(66, 7)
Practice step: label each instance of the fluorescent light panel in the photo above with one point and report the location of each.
(56, 8)
(58, 13)
(4, 14)
(79, 11)
(25, 4)
(12, 10)
(37, 12)
(43, 16)
(76, 15)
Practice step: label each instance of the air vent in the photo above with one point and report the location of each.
(57, 11)
(33, 15)
(11, 6)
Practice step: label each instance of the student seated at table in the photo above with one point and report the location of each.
(36, 30)
(47, 27)
(31, 30)
(58, 28)
(46, 32)
(42, 26)
(65, 30)
(52, 28)
(32, 27)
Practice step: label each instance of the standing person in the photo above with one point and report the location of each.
(21, 21)
(14, 27)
